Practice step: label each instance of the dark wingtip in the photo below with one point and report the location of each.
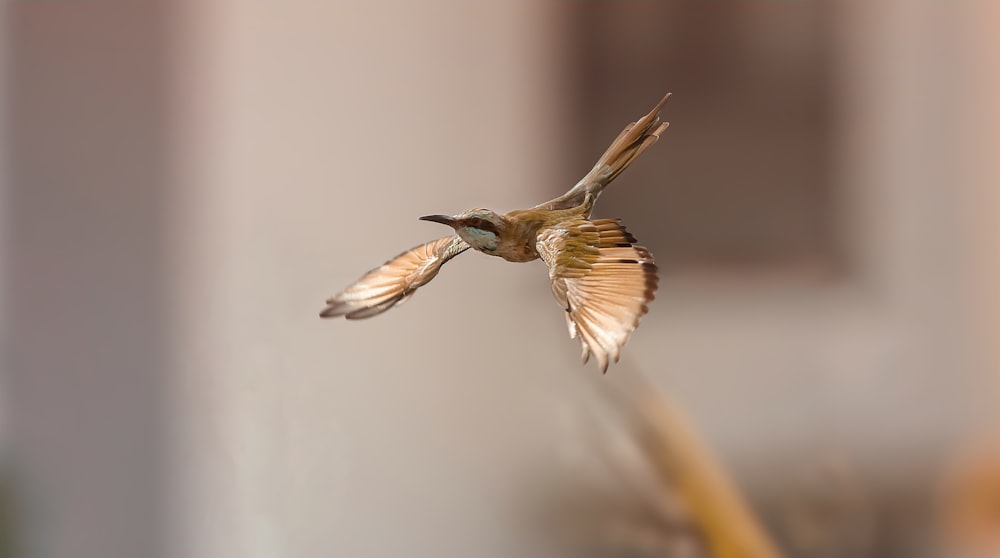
(332, 310)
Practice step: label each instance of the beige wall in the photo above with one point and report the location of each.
(84, 334)
(311, 138)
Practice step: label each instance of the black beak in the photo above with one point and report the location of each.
(443, 219)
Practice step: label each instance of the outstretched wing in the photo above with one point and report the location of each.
(394, 281)
(602, 279)
(630, 143)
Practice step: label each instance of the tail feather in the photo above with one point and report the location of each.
(630, 143)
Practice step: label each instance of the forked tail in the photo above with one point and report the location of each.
(629, 144)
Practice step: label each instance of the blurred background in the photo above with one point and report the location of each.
(183, 184)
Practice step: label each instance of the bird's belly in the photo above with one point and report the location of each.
(516, 252)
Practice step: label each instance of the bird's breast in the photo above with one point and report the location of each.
(517, 252)
(517, 248)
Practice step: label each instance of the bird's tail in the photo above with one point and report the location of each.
(629, 144)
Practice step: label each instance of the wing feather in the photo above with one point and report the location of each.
(395, 281)
(602, 279)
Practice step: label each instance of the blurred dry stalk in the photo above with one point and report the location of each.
(694, 488)
(730, 528)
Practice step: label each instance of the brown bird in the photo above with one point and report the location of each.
(600, 277)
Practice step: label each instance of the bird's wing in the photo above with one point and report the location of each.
(394, 281)
(630, 143)
(602, 279)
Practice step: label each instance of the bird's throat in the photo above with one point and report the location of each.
(484, 241)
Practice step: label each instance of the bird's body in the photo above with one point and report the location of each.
(599, 275)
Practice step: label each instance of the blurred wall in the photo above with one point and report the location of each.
(889, 357)
(85, 169)
(311, 136)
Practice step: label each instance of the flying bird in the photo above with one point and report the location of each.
(601, 278)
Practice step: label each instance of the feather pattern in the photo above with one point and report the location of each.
(395, 281)
(602, 279)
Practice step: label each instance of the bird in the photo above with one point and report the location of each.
(601, 278)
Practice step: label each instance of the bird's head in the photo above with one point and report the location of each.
(481, 228)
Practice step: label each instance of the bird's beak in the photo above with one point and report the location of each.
(443, 219)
